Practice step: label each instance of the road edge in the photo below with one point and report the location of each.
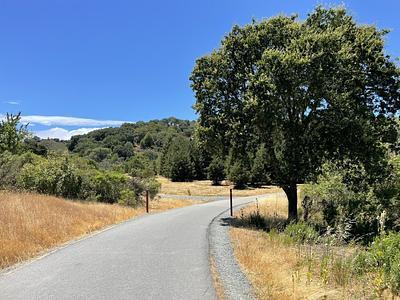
(230, 282)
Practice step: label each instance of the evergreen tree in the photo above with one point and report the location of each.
(177, 162)
(239, 174)
(259, 170)
(216, 171)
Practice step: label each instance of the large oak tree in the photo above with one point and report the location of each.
(308, 90)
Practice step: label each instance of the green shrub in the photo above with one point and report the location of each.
(182, 169)
(301, 233)
(11, 166)
(99, 154)
(216, 171)
(109, 185)
(346, 201)
(139, 165)
(88, 191)
(383, 257)
(69, 181)
(152, 185)
(177, 160)
(147, 141)
(127, 197)
(239, 174)
(52, 176)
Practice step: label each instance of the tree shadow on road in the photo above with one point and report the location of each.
(255, 220)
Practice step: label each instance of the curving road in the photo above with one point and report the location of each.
(160, 256)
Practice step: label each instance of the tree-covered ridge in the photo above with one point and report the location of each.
(121, 142)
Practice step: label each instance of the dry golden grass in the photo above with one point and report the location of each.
(281, 270)
(205, 188)
(32, 223)
(165, 204)
(273, 268)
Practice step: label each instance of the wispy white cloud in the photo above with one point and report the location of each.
(11, 102)
(69, 121)
(61, 133)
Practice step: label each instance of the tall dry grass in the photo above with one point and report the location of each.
(32, 223)
(280, 269)
(205, 188)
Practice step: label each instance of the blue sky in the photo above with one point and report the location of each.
(98, 63)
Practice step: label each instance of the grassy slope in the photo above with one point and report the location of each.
(32, 223)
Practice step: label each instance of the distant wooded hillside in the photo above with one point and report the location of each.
(122, 142)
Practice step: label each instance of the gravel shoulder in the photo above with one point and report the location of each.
(234, 282)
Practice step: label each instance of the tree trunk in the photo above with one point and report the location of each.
(291, 193)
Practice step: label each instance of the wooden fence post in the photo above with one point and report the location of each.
(230, 202)
(147, 201)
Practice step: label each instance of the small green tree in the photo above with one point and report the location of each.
(124, 151)
(33, 145)
(99, 154)
(182, 168)
(216, 171)
(12, 133)
(109, 185)
(176, 161)
(140, 165)
(239, 174)
(147, 141)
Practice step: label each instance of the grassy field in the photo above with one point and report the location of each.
(32, 223)
(279, 269)
(205, 188)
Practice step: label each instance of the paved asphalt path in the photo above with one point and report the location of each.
(160, 256)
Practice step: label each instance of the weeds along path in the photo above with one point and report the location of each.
(160, 256)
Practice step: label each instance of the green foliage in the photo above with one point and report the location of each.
(152, 185)
(140, 185)
(383, 257)
(127, 197)
(125, 139)
(181, 169)
(124, 151)
(12, 134)
(177, 161)
(239, 174)
(55, 177)
(11, 165)
(147, 141)
(53, 145)
(289, 83)
(99, 154)
(33, 145)
(108, 186)
(142, 149)
(72, 177)
(301, 233)
(347, 201)
(140, 165)
(216, 171)
(97, 174)
(259, 170)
